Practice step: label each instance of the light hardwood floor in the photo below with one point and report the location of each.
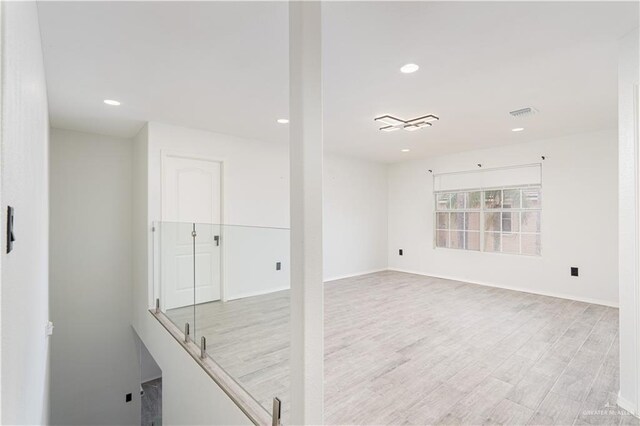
(409, 349)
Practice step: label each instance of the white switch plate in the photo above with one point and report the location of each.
(49, 329)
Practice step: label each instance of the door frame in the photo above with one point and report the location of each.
(169, 153)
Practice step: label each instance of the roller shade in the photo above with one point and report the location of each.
(530, 174)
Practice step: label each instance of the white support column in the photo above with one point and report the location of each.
(629, 222)
(305, 158)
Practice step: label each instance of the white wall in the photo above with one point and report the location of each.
(149, 368)
(256, 178)
(629, 69)
(93, 354)
(25, 282)
(189, 394)
(250, 256)
(579, 220)
(256, 193)
(355, 217)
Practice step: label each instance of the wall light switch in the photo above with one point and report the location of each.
(400, 252)
(10, 237)
(278, 266)
(574, 271)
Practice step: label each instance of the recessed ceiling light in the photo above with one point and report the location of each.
(409, 68)
(283, 121)
(405, 150)
(517, 129)
(111, 102)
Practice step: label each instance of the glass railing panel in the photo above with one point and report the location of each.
(242, 306)
(176, 272)
(208, 276)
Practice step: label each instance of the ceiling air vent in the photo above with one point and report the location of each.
(523, 112)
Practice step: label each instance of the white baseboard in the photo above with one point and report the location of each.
(627, 405)
(256, 293)
(356, 274)
(522, 289)
(407, 271)
(273, 290)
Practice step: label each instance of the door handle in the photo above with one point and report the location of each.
(216, 238)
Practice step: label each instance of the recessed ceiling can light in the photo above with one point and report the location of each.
(517, 129)
(283, 121)
(409, 68)
(111, 102)
(405, 150)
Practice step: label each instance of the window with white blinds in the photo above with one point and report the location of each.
(499, 220)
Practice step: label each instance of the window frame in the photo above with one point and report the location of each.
(483, 210)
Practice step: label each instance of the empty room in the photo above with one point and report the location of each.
(344, 213)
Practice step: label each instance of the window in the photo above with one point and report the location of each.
(503, 220)
(458, 220)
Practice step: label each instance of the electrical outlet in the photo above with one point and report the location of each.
(574, 271)
(127, 398)
(400, 252)
(278, 266)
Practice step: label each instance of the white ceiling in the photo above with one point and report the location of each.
(223, 66)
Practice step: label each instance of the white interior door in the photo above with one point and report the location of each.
(191, 192)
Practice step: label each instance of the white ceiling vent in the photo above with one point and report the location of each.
(523, 112)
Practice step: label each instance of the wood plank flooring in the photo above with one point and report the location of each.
(414, 350)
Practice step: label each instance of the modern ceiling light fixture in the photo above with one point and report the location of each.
(394, 123)
(283, 121)
(523, 112)
(517, 129)
(111, 102)
(405, 150)
(409, 68)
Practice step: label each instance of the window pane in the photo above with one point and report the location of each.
(442, 220)
(473, 241)
(472, 221)
(531, 244)
(511, 243)
(511, 199)
(442, 201)
(510, 221)
(474, 200)
(457, 239)
(492, 241)
(458, 200)
(456, 221)
(442, 238)
(531, 221)
(492, 199)
(492, 222)
(531, 198)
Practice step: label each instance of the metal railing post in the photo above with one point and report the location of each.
(157, 306)
(186, 332)
(203, 347)
(276, 414)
